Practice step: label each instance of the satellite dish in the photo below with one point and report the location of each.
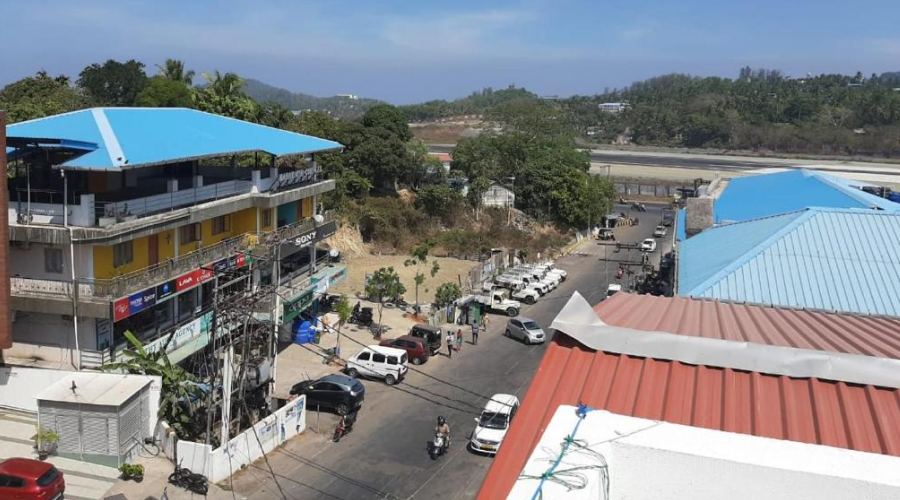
(319, 218)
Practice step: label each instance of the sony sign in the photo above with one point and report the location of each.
(304, 240)
(293, 177)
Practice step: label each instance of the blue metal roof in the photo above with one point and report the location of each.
(845, 260)
(134, 137)
(747, 198)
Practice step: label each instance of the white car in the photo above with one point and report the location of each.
(648, 245)
(660, 231)
(376, 361)
(613, 289)
(492, 426)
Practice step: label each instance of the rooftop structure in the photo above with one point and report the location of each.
(690, 362)
(845, 260)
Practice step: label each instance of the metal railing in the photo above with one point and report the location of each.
(42, 287)
(120, 211)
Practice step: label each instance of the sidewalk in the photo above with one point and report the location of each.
(298, 362)
(83, 480)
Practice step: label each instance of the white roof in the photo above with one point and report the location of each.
(106, 389)
(500, 403)
(387, 351)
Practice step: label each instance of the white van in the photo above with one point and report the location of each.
(376, 361)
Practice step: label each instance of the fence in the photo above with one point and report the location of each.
(488, 267)
(247, 447)
(122, 210)
(654, 190)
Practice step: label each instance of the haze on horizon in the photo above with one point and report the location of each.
(405, 52)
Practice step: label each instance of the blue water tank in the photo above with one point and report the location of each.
(303, 333)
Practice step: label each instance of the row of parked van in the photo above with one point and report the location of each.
(529, 282)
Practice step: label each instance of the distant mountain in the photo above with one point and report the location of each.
(338, 106)
(891, 76)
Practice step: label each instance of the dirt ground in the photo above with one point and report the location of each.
(359, 266)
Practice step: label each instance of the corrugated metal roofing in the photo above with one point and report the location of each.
(862, 418)
(763, 195)
(134, 137)
(825, 259)
(856, 417)
(829, 332)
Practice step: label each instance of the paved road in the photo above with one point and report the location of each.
(704, 162)
(386, 455)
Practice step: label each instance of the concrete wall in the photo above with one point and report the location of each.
(29, 262)
(19, 386)
(50, 338)
(641, 459)
(220, 463)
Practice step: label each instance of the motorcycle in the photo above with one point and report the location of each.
(362, 316)
(344, 426)
(438, 446)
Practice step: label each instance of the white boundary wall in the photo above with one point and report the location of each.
(244, 449)
(658, 460)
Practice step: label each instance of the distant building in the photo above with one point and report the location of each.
(352, 97)
(445, 159)
(498, 196)
(613, 107)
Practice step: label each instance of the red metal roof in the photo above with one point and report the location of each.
(846, 333)
(856, 417)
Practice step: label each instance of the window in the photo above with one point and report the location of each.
(392, 360)
(220, 224)
(363, 356)
(123, 253)
(53, 260)
(48, 477)
(11, 481)
(267, 218)
(378, 358)
(189, 233)
(327, 386)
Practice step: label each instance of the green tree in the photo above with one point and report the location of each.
(164, 93)
(344, 311)
(389, 118)
(39, 96)
(446, 294)
(113, 83)
(419, 259)
(438, 200)
(223, 96)
(179, 388)
(173, 69)
(384, 285)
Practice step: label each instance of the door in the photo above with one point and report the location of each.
(152, 249)
(378, 366)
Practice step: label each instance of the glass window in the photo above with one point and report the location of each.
(53, 260)
(48, 477)
(392, 360)
(220, 224)
(11, 481)
(123, 253)
(363, 356)
(267, 218)
(187, 301)
(189, 233)
(378, 358)
(531, 325)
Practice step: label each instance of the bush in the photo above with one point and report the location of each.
(131, 470)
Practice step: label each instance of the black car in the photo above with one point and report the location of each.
(431, 334)
(340, 393)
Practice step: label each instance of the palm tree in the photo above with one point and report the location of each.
(174, 70)
(225, 86)
(179, 388)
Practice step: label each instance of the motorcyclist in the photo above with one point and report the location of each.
(443, 428)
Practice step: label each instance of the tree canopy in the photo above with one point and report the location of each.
(39, 96)
(113, 83)
(162, 92)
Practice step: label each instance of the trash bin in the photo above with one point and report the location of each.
(303, 332)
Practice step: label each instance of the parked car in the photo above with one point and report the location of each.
(660, 231)
(416, 349)
(648, 245)
(376, 361)
(432, 335)
(31, 480)
(492, 425)
(525, 329)
(336, 392)
(613, 289)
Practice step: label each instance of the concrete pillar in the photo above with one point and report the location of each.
(256, 179)
(198, 181)
(171, 185)
(5, 323)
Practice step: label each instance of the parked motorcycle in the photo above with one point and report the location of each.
(438, 446)
(361, 315)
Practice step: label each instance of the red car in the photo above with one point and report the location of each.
(415, 347)
(30, 480)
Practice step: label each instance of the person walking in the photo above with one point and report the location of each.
(474, 333)
(450, 340)
(459, 340)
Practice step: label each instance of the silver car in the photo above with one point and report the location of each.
(525, 329)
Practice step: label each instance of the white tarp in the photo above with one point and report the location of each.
(579, 321)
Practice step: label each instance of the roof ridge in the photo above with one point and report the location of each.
(803, 216)
(856, 194)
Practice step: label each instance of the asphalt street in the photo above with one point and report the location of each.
(385, 457)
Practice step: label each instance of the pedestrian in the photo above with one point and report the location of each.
(459, 340)
(450, 340)
(474, 333)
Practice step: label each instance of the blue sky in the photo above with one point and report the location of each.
(409, 51)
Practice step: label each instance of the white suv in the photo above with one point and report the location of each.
(377, 361)
(491, 427)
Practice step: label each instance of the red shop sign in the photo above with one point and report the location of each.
(241, 260)
(188, 280)
(206, 274)
(120, 309)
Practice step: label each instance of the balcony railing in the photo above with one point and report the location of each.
(126, 284)
(111, 212)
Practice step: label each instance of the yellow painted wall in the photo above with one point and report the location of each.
(306, 207)
(243, 221)
(103, 256)
(166, 245)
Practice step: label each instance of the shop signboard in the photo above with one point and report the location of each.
(120, 309)
(142, 300)
(295, 178)
(188, 280)
(293, 308)
(182, 335)
(206, 274)
(165, 290)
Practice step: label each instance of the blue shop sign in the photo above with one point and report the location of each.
(165, 290)
(142, 300)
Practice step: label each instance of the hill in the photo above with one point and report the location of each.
(338, 107)
(474, 104)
